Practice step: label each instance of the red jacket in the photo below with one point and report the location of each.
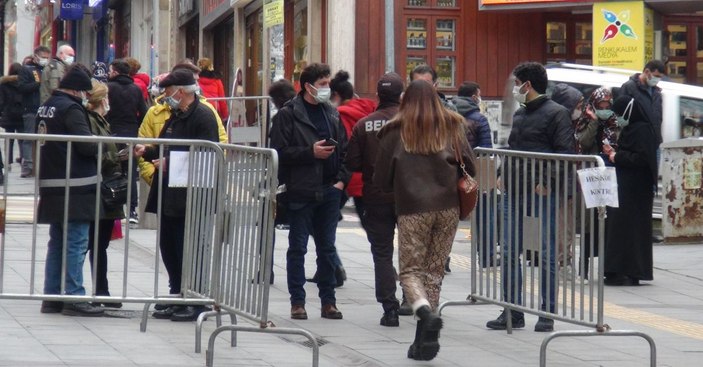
(212, 88)
(350, 113)
(142, 81)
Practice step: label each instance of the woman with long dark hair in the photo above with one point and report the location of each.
(417, 162)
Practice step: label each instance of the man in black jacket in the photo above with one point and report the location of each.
(190, 119)
(311, 142)
(64, 114)
(379, 207)
(28, 84)
(643, 88)
(125, 116)
(539, 125)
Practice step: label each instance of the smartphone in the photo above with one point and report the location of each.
(330, 141)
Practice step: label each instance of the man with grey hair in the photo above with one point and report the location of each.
(189, 119)
(52, 73)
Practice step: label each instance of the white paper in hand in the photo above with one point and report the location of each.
(599, 187)
(178, 169)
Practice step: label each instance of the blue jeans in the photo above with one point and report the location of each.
(512, 246)
(320, 218)
(77, 240)
(30, 127)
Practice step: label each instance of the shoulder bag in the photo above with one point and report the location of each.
(466, 186)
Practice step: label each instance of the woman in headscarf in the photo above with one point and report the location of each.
(628, 241)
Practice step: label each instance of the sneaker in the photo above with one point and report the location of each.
(133, 217)
(390, 318)
(188, 313)
(405, 308)
(501, 323)
(81, 309)
(544, 325)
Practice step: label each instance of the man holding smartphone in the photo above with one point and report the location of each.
(310, 141)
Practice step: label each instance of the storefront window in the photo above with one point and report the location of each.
(300, 42)
(445, 34)
(445, 71)
(417, 33)
(556, 39)
(569, 39)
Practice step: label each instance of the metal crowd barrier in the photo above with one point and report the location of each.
(533, 239)
(249, 191)
(228, 241)
(248, 121)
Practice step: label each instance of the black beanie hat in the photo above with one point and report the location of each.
(76, 79)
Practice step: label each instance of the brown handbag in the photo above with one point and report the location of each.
(467, 188)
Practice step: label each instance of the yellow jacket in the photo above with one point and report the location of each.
(154, 121)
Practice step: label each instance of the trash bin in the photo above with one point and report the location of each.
(682, 190)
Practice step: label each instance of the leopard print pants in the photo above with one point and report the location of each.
(424, 242)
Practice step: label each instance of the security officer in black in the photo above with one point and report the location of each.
(64, 114)
(190, 119)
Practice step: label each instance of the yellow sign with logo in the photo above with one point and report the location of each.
(273, 13)
(623, 35)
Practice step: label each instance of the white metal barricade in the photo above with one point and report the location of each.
(534, 244)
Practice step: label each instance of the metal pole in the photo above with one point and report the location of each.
(390, 37)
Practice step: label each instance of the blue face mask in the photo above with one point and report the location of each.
(621, 121)
(172, 102)
(604, 114)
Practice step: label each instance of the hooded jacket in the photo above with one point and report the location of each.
(478, 131)
(648, 100)
(142, 80)
(567, 96)
(351, 112)
(127, 106)
(212, 87)
(153, 123)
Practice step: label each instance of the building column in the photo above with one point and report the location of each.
(341, 22)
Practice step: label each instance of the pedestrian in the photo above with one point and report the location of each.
(211, 86)
(98, 106)
(125, 117)
(63, 114)
(141, 80)
(190, 119)
(29, 85)
(628, 240)
(539, 125)
(55, 70)
(597, 125)
(351, 109)
(311, 141)
(428, 74)
(418, 149)
(378, 217)
(478, 133)
(11, 100)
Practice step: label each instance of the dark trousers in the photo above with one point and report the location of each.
(171, 246)
(379, 221)
(320, 218)
(104, 235)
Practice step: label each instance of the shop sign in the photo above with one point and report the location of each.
(273, 13)
(623, 35)
(71, 9)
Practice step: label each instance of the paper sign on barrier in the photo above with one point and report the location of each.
(204, 169)
(599, 187)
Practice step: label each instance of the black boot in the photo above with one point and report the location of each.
(428, 344)
(413, 351)
(340, 275)
(446, 265)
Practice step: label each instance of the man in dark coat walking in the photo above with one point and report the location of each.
(63, 114)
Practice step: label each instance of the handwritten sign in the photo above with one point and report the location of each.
(599, 187)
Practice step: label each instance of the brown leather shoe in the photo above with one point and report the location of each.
(330, 311)
(297, 312)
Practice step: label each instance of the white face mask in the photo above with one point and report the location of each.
(69, 60)
(653, 81)
(84, 100)
(576, 114)
(520, 97)
(106, 105)
(322, 95)
(43, 61)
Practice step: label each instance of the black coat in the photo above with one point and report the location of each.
(628, 242)
(63, 114)
(198, 122)
(541, 126)
(11, 103)
(127, 107)
(649, 105)
(28, 84)
(293, 135)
